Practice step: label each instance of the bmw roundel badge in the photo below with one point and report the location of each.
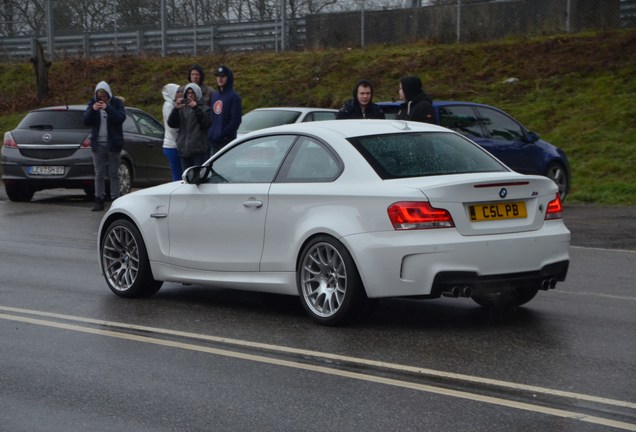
(503, 192)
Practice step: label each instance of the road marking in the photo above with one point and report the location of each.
(321, 369)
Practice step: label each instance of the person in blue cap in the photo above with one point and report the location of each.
(226, 110)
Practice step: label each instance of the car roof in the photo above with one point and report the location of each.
(353, 128)
(73, 107)
(438, 103)
(299, 109)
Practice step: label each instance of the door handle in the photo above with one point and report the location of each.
(253, 203)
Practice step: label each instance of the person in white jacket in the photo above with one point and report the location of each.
(170, 136)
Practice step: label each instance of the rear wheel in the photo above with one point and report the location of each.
(125, 262)
(90, 191)
(125, 178)
(18, 192)
(556, 172)
(506, 299)
(330, 287)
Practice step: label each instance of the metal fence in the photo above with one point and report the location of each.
(92, 28)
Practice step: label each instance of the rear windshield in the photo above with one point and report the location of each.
(51, 120)
(420, 154)
(256, 120)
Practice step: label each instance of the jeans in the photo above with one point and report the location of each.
(175, 162)
(106, 160)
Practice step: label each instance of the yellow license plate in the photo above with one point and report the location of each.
(498, 211)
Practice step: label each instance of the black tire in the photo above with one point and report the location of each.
(18, 192)
(557, 173)
(124, 261)
(506, 299)
(329, 284)
(90, 191)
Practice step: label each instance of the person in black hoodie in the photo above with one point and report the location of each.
(196, 75)
(361, 106)
(417, 106)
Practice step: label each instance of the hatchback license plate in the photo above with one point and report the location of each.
(46, 170)
(499, 211)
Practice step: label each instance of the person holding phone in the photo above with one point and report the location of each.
(105, 114)
(192, 118)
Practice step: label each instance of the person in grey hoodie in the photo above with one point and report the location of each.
(193, 119)
(105, 114)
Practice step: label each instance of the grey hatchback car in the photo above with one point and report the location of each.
(50, 148)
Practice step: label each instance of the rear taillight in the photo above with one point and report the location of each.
(9, 142)
(86, 143)
(409, 215)
(555, 209)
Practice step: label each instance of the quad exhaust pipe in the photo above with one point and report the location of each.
(457, 291)
(547, 284)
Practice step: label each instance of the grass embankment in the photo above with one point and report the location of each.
(576, 91)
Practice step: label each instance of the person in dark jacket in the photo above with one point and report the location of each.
(196, 75)
(417, 106)
(105, 114)
(226, 110)
(361, 106)
(193, 119)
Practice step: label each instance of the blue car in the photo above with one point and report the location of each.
(501, 135)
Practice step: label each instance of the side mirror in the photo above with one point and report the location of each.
(533, 137)
(196, 174)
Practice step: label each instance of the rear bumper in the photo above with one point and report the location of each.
(77, 176)
(462, 283)
(424, 263)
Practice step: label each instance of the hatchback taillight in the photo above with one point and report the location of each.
(409, 215)
(86, 143)
(9, 142)
(555, 208)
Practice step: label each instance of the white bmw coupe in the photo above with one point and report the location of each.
(341, 213)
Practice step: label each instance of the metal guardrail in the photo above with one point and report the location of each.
(444, 22)
(262, 36)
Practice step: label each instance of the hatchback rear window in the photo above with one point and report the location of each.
(52, 120)
(420, 154)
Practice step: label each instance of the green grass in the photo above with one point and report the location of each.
(577, 91)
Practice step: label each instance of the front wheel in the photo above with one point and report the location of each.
(125, 262)
(328, 282)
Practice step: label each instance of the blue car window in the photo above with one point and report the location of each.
(500, 126)
(461, 119)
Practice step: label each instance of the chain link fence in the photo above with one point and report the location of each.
(194, 27)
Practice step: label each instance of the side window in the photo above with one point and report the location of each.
(461, 119)
(500, 126)
(129, 124)
(253, 161)
(311, 162)
(148, 126)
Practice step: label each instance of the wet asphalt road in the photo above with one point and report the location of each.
(64, 368)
